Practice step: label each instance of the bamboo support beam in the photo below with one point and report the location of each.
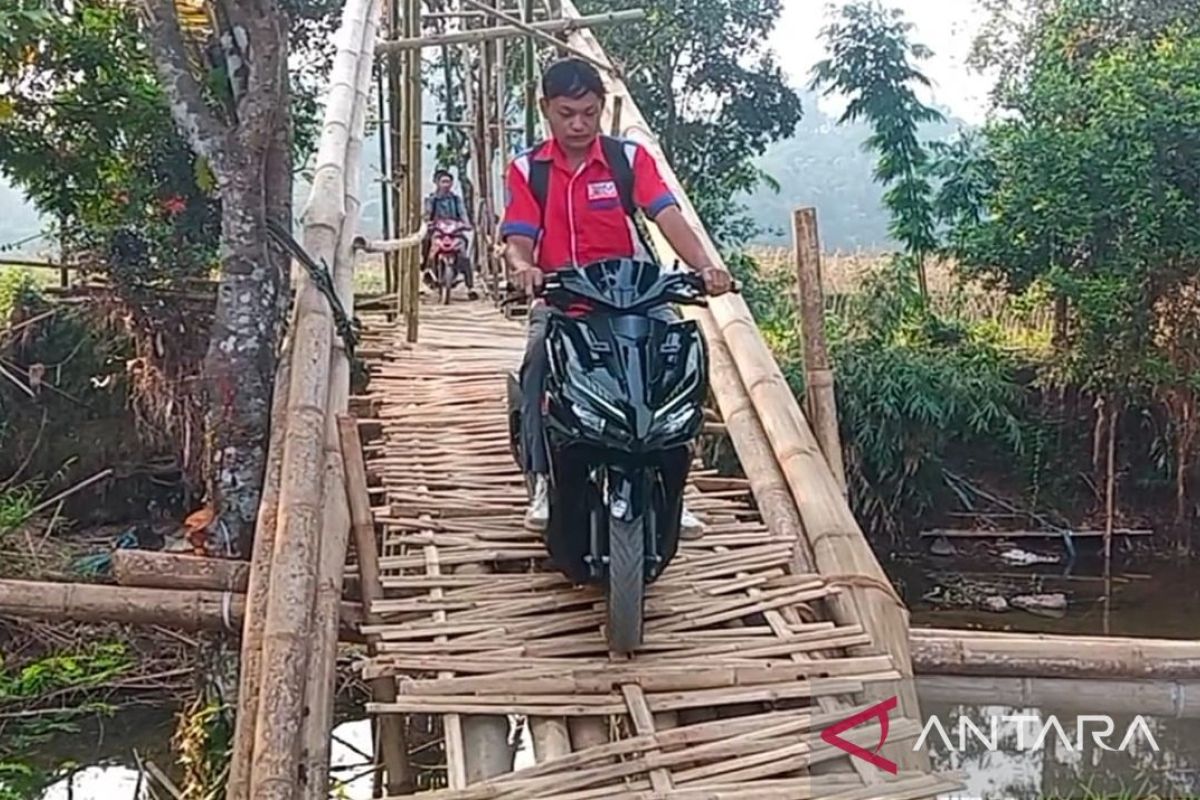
(191, 610)
(258, 586)
(390, 245)
(818, 372)
(517, 28)
(441, 123)
(838, 545)
(532, 30)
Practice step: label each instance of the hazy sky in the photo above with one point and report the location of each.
(945, 26)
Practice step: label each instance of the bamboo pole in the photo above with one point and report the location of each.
(151, 569)
(818, 373)
(1159, 698)
(413, 94)
(322, 670)
(288, 625)
(394, 66)
(191, 610)
(952, 652)
(390, 729)
(530, 87)
(258, 586)
(601, 64)
(508, 31)
(385, 231)
(840, 550)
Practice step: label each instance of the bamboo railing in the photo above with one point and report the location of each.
(288, 650)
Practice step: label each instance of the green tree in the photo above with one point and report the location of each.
(871, 62)
(86, 128)
(1094, 192)
(702, 73)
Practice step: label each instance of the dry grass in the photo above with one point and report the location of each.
(844, 272)
(843, 275)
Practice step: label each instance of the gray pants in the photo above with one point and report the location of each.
(534, 368)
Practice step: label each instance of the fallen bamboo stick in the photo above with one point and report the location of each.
(951, 533)
(99, 603)
(152, 569)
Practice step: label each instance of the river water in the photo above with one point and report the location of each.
(1156, 600)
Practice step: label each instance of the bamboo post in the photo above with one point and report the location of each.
(530, 89)
(288, 625)
(839, 547)
(818, 373)
(394, 64)
(385, 231)
(413, 94)
(390, 729)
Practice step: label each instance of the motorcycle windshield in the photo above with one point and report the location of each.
(619, 284)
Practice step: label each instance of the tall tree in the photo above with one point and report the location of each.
(240, 123)
(872, 63)
(702, 73)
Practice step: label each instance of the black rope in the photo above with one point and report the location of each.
(347, 327)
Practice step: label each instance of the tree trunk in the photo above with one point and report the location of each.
(240, 365)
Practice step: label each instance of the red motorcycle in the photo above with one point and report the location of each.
(447, 263)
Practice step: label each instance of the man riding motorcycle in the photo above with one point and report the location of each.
(445, 204)
(572, 202)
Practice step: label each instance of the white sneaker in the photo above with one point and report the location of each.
(690, 526)
(537, 516)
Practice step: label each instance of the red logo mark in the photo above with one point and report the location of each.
(831, 735)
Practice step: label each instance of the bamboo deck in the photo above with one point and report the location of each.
(742, 666)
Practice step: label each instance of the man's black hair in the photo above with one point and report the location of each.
(442, 173)
(571, 78)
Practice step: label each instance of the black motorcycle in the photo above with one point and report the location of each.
(623, 401)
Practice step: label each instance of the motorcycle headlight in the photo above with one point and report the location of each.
(588, 418)
(674, 422)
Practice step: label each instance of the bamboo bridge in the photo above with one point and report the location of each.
(774, 626)
(778, 660)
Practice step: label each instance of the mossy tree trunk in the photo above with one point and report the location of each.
(247, 141)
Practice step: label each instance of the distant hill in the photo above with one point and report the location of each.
(824, 165)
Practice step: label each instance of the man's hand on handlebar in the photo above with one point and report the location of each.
(530, 280)
(717, 281)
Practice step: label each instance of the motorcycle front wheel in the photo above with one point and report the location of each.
(447, 279)
(626, 583)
